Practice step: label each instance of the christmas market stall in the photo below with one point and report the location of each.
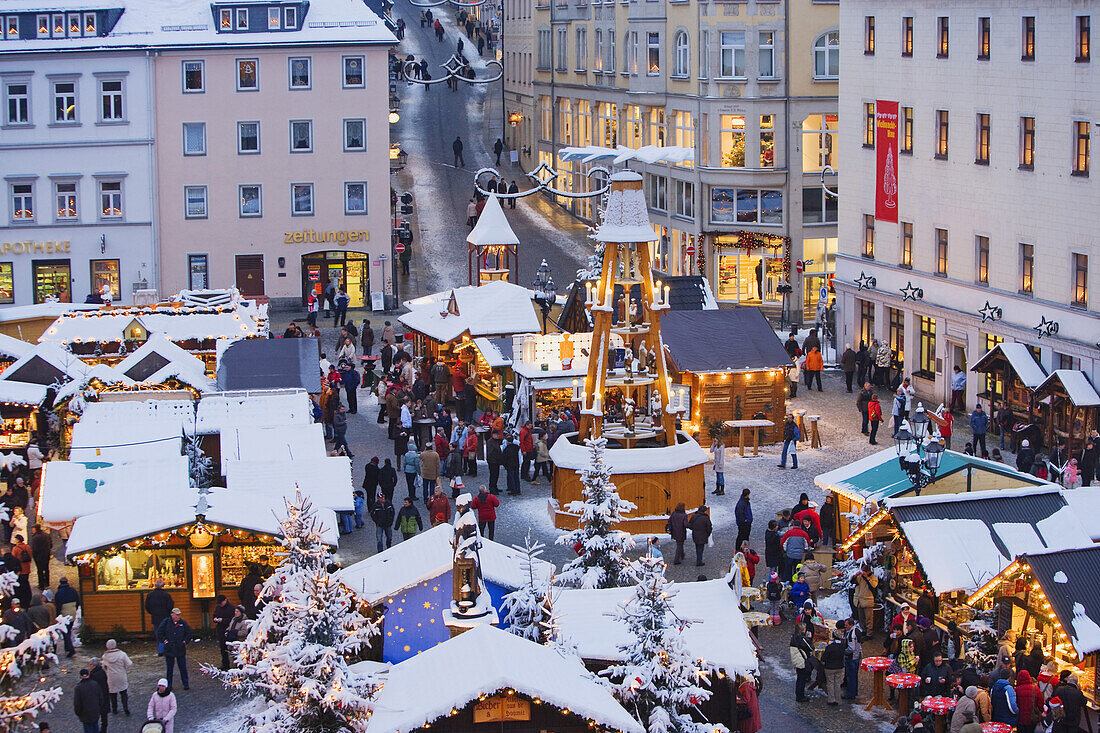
(860, 486)
(487, 364)
(410, 584)
(1070, 407)
(19, 414)
(11, 349)
(491, 679)
(717, 636)
(492, 246)
(953, 544)
(1012, 374)
(1051, 598)
(733, 365)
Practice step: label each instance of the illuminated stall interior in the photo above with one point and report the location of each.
(492, 246)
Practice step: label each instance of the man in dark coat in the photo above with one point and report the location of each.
(246, 591)
(41, 547)
(773, 547)
(370, 481)
(175, 634)
(18, 619)
(863, 363)
(1073, 702)
(99, 676)
(158, 604)
(701, 527)
(510, 460)
(791, 346)
(848, 365)
(494, 456)
(677, 529)
(811, 341)
(88, 702)
(743, 514)
(382, 514)
(456, 146)
(387, 479)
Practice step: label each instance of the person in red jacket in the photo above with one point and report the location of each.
(814, 517)
(751, 559)
(1029, 701)
(526, 449)
(874, 415)
(485, 504)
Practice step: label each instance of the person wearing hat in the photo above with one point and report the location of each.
(162, 706)
(966, 705)
(99, 675)
(1073, 702)
(970, 724)
(175, 634)
(89, 702)
(1025, 457)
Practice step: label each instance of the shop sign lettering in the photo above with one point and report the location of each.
(30, 247)
(312, 236)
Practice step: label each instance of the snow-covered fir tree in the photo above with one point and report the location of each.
(658, 680)
(601, 549)
(200, 465)
(526, 609)
(295, 657)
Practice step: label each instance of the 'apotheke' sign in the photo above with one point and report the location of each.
(31, 247)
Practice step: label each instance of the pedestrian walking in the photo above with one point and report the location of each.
(958, 390)
(115, 662)
(863, 363)
(513, 188)
(342, 299)
(862, 400)
(340, 430)
(485, 504)
(884, 357)
(791, 436)
(743, 515)
(813, 366)
(897, 411)
(382, 514)
(330, 298)
(793, 376)
(848, 365)
(423, 19)
(832, 659)
(718, 450)
(676, 527)
(175, 634)
(874, 417)
(498, 148)
(701, 528)
(408, 519)
(456, 146)
(802, 651)
(222, 616)
(67, 601)
(410, 465)
(89, 702)
(430, 467)
(438, 31)
(979, 423)
(158, 604)
(162, 706)
(510, 456)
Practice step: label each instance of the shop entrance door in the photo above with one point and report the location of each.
(250, 274)
(346, 270)
(52, 281)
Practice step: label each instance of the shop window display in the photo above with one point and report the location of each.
(140, 569)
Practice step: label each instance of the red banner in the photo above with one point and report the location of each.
(886, 160)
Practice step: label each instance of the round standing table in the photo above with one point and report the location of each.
(996, 728)
(939, 707)
(749, 594)
(753, 619)
(903, 682)
(878, 665)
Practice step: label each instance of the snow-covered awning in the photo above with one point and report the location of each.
(492, 226)
(21, 393)
(126, 442)
(1074, 382)
(718, 636)
(428, 555)
(497, 308)
(326, 480)
(260, 407)
(1085, 501)
(1018, 357)
(272, 443)
(72, 489)
(1068, 580)
(13, 347)
(492, 353)
(484, 661)
(661, 459)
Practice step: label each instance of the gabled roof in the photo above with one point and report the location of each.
(483, 661)
(46, 364)
(728, 340)
(1085, 501)
(1068, 579)
(263, 407)
(159, 359)
(497, 308)
(13, 347)
(1074, 382)
(1018, 357)
(492, 226)
(428, 555)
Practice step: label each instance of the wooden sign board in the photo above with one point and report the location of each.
(501, 708)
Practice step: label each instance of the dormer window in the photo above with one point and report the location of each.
(13, 27)
(43, 26)
(290, 18)
(274, 19)
(89, 24)
(59, 26)
(227, 20)
(74, 25)
(242, 19)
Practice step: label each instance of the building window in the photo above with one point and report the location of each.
(631, 50)
(194, 138)
(194, 78)
(242, 19)
(1027, 269)
(827, 56)
(657, 126)
(907, 36)
(597, 53)
(869, 236)
(226, 19)
(1084, 38)
(927, 366)
(105, 277)
(299, 69)
(58, 26)
(301, 199)
(52, 281)
(732, 54)
(1080, 148)
(820, 141)
(994, 380)
(766, 55)
(22, 202)
(301, 136)
(817, 207)
(355, 197)
(944, 38)
(653, 58)
(290, 18)
(906, 130)
(198, 272)
(869, 35)
(983, 39)
(609, 64)
(941, 252)
(1080, 280)
(355, 138)
(685, 199)
(1065, 361)
(110, 94)
(746, 205)
(248, 75)
(565, 120)
(907, 245)
(632, 118)
(65, 195)
(582, 49)
(1027, 143)
(545, 121)
(941, 134)
(17, 103)
(981, 155)
(733, 141)
(683, 55)
(866, 322)
(7, 283)
(608, 121)
(658, 193)
(110, 199)
(251, 201)
(1027, 39)
(563, 49)
(274, 19)
(353, 72)
(584, 121)
(982, 245)
(896, 334)
(64, 101)
(767, 141)
(248, 138)
(868, 124)
(704, 54)
(194, 202)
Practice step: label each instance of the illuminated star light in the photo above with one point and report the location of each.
(865, 281)
(1045, 327)
(989, 312)
(910, 292)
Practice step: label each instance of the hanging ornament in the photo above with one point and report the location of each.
(990, 312)
(910, 292)
(865, 281)
(1045, 327)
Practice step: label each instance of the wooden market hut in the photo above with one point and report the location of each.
(490, 679)
(1013, 374)
(1070, 407)
(733, 365)
(492, 246)
(1052, 597)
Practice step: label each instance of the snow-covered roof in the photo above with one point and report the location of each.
(13, 347)
(497, 308)
(39, 310)
(1076, 385)
(492, 355)
(1021, 360)
(72, 489)
(483, 661)
(46, 364)
(178, 415)
(261, 407)
(626, 216)
(190, 23)
(718, 636)
(1085, 502)
(662, 459)
(621, 154)
(261, 442)
(492, 226)
(1068, 580)
(242, 319)
(21, 393)
(178, 363)
(428, 555)
(126, 442)
(326, 480)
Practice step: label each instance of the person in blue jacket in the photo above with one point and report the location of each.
(1004, 703)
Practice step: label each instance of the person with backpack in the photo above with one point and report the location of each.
(408, 519)
(791, 436)
(1004, 703)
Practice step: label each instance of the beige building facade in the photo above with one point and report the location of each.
(518, 51)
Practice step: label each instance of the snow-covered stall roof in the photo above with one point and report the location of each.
(492, 354)
(1076, 385)
(497, 308)
(13, 347)
(483, 661)
(662, 459)
(178, 415)
(264, 407)
(326, 480)
(46, 364)
(492, 226)
(621, 154)
(21, 393)
(964, 540)
(40, 310)
(1085, 502)
(159, 359)
(243, 319)
(126, 442)
(718, 636)
(103, 373)
(1068, 580)
(271, 442)
(626, 216)
(427, 555)
(1021, 360)
(72, 489)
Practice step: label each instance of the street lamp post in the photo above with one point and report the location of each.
(545, 291)
(919, 453)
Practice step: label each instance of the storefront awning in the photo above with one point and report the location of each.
(1018, 357)
(1074, 383)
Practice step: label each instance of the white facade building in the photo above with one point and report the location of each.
(997, 193)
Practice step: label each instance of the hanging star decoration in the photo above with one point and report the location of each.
(910, 292)
(865, 281)
(990, 312)
(1045, 327)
